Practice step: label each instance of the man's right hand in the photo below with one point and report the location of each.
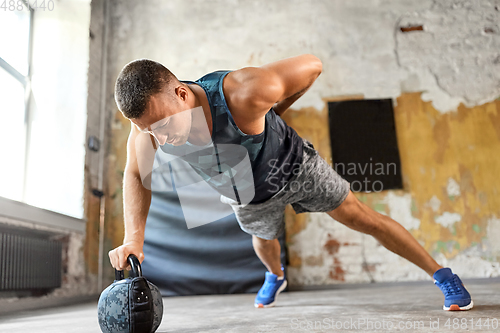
(118, 257)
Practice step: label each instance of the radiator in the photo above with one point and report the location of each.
(29, 261)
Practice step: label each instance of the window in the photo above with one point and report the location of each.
(15, 51)
(364, 145)
(43, 105)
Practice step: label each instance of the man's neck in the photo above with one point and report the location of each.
(202, 122)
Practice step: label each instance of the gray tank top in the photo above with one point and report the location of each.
(273, 154)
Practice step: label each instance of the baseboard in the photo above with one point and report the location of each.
(383, 284)
(16, 306)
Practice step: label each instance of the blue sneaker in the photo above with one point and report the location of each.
(266, 297)
(456, 297)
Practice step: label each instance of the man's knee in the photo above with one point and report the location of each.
(355, 215)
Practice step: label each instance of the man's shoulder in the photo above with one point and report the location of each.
(242, 82)
(214, 76)
(253, 87)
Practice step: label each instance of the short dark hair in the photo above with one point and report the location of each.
(137, 81)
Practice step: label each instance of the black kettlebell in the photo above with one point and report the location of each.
(132, 305)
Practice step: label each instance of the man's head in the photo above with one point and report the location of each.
(150, 96)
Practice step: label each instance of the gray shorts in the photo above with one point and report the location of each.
(314, 187)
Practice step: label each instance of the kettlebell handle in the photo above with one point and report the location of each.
(135, 266)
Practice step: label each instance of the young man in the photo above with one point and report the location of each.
(243, 108)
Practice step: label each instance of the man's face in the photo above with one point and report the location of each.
(167, 118)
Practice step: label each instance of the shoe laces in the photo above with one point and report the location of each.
(268, 287)
(451, 287)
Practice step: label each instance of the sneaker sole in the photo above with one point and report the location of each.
(280, 289)
(455, 307)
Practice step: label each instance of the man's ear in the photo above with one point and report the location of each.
(182, 92)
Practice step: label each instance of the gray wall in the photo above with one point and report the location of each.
(455, 60)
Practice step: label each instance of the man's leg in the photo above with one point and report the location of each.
(397, 239)
(265, 220)
(268, 252)
(356, 215)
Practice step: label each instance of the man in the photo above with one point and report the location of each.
(244, 107)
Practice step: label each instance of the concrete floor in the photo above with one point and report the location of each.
(385, 306)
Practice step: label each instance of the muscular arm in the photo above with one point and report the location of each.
(278, 84)
(294, 76)
(136, 202)
(137, 184)
(136, 197)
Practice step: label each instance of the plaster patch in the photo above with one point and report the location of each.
(469, 264)
(455, 55)
(321, 236)
(312, 233)
(493, 232)
(400, 210)
(75, 255)
(448, 219)
(434, 203)
(452, 188)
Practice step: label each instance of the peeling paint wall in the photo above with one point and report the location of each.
(449, 150)
(457, 51)
(450, 201)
